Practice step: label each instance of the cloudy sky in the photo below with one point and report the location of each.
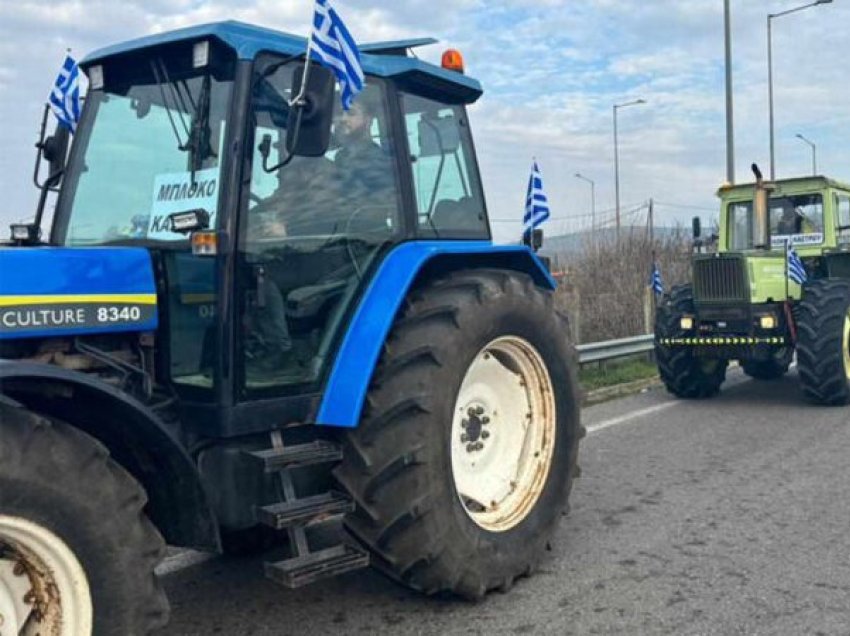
(551, 70)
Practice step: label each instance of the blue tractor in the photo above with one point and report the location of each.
(254, 315)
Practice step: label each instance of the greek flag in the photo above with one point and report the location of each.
(536, 203)
(332, 45)
(65, 97)
(796, 271)
(655, 280)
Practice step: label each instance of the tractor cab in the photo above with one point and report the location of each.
(257, 214)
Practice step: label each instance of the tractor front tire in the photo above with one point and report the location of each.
(73, 535)
(465, 456)
(823, 341)
(684, 374)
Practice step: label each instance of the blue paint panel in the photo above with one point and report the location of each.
(349, 380)
(58, 271)
(248, 40)
(61, 270)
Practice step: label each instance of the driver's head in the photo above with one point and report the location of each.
(356, 122)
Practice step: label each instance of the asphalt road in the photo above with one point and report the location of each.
(727, 516)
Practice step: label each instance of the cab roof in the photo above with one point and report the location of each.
(819, 182)
(383, 59)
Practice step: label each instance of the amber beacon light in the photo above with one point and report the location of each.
(453, 60)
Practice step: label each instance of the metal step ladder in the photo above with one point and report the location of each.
(295, 515)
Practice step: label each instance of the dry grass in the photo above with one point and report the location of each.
(604, 288)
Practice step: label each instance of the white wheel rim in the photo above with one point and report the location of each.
(43, 587)
(503, 434)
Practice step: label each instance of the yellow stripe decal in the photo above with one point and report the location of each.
(120, 299)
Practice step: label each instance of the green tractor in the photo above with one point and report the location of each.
(255, 315)
(779, 283)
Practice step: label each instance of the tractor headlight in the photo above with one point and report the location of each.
(767, 322)
(686, 323)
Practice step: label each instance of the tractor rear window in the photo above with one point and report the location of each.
(449, 200)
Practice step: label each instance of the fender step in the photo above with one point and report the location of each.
(317, 565)
(305, 511)
(317, 452)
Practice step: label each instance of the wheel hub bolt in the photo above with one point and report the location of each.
(485, 434)
(479, 410)
(465, 423)
(464, 438)
(485, 420)
(470, 448)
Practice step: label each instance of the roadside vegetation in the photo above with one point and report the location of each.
(603, 288)
(616, 372)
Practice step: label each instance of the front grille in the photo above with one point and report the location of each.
(720, 279)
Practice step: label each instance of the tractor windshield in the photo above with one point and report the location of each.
(795, 218)
(149, 145)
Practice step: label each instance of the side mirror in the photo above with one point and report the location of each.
(533, 239)
(308, 130)
(54, 150)
(697, 227)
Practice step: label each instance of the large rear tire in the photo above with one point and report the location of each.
(73, 535)
(463, 462)
(684, 374)
(823, 341)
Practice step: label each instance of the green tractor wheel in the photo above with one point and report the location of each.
(823, 341)
(684, 374)
(771, 369)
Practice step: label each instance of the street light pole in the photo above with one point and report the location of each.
(814, 148)
(771, 16)
(617, 159)
(730, 128)
(592, 206)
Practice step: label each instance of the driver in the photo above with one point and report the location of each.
(793, 221)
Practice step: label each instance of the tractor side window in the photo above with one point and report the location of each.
(741, 226)
(842, 208)
(310, 231)
(449, 199)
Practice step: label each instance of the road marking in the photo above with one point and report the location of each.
(181, 561)
(616, 421)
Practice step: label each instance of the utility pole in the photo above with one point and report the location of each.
(730, 126)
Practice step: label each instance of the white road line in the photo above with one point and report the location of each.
(616, 421)
(181, 561)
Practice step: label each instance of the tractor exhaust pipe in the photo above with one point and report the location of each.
(761, 212)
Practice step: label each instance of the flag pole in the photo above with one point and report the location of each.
(298, 100)
(787, 292)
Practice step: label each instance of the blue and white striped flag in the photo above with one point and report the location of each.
(655, 279)
(536, 203)
(65, 96)
(796, 271)
(332, 45)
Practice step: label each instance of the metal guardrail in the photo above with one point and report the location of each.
(610, 349)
